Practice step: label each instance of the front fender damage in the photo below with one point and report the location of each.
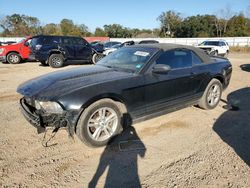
(42, 121)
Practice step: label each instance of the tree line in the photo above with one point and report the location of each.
(172, 24)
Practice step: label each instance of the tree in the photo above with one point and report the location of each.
(170, 21)
(52, 29)
(117, 31)
(197, 26)
(99, 32)
(223, 16)
(20, 25)
(239, 26)
(69, 28)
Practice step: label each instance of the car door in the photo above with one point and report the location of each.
(161, 89)
(83, 50)
(25, 48)
(68, 47)
(200, 74)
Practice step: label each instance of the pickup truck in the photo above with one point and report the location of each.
(15, 53)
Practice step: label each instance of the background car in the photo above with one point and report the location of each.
(98, 46)
(215, 47)
(14, 53)
(56, 50)
(117, 46)
(109, 44)
(135, 82)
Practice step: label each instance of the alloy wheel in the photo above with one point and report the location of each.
(213, 95)
(102, 124)
(13, 58)
(56, 61)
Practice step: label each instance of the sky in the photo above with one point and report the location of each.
(129, 13)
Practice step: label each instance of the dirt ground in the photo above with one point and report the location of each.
(187, 148)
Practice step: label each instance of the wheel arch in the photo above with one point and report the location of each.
(13, 51)
(55, 52)
(113, 96)
(220, 78)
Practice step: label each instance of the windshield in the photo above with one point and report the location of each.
(110, 44)
(116, 46)
(128, 59)
(210, 43)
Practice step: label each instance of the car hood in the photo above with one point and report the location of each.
(53, 85)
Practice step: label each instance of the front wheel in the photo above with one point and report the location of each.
(226, 54)
(99, 123)
(212, 95)
(56, 60)
(97, 57)
(13, 58)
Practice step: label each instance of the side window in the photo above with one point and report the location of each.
(79, 41)
(66, 40)
(176, 58)
(196, 59)
(51, 40)
(222, 44)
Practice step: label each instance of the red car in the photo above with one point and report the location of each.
(15, 53)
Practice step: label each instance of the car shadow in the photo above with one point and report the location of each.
(120, 159)
(233, 126)
(245, 67)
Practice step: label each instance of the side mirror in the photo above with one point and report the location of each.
(161, 69)
(26, 43)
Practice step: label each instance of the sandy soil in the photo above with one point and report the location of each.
(187, 148)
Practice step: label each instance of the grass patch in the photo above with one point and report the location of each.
(240, 49)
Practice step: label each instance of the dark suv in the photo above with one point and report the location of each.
(55, 50)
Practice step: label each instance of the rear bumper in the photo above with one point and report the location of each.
(41, 120)
(2, 58)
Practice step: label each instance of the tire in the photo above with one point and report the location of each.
(97, 57)
(44, 63)
(56, 60)
(13, 58)
(86, 130)
(211, 97)
(226, 54)
(216, 53)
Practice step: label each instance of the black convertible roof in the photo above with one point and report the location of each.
(170, 46)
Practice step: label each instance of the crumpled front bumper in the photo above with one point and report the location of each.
(41, 120)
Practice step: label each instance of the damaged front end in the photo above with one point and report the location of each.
(35, 113)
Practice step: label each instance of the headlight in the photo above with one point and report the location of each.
(49, 107)
(1, 50)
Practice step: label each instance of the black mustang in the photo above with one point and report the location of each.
(137, 81)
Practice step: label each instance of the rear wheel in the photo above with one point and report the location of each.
(226, 54)
(212, 95)
(13, 58)
(99, 123)
(97, 57)
(56, 60)
(216, 53)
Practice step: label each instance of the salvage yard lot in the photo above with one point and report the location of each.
(187, 148)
